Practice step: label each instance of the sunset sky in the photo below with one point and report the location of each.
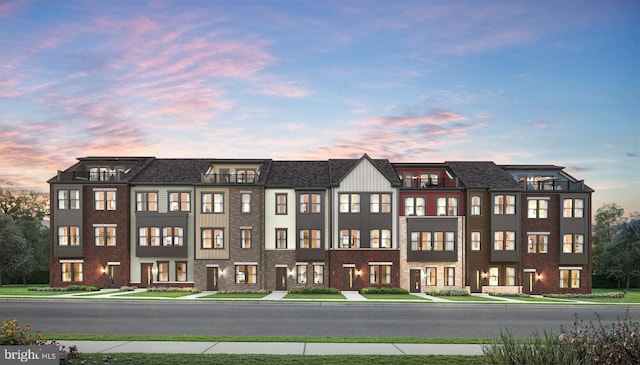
(515, 82)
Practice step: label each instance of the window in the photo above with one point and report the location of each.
(301, 274)
(573, 208)
(212, 238)
(281, 238)
(538, 208)
(104, 235)
(504, 241)
(310, 238)
(246, 274)
(281, 203)
(149, 236)
(179, 202)
(475, 241)
(349, 203)
(429, 179)
(68, 199)
(245, 176)
(408, 180)
(421, 241)
(436, 241)
(172, 236)
(573, 243)
(449, 276)
(245, 238)
(163, 271)
(493, 276)
(415, 205)
(147, 202)
(447, 206)
(349, 238)
(569, 278)
(245, 202)
(504, 204)
(104, 199)
(71, 271)
(318, 274)
(379, 274)
(380, 203)
(68, 236)
(380, 238)
(212, 203)
(181, 271)
(538, 242)
(309, 203)
(430, 276)
(443, 241)
(475, 205)
(105, 173)
(510, 275)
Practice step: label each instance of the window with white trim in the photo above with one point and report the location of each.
(281, 238)
(538, 242)
(476, 208)
(380, 203)
(212, 202)
(475, 241)
(569, 278)
(318, 274)
(212, 238)
(504, 241)
(246, 274)
(447, 206)
(349, 203)
(147, 201)
(538, 208)
(349, 238)
(71, 271)
(573, 208)
(104, 235)
(68, 199)
(504, 204)
(310, 238)
(431, 276)
(380, 238)
(573, 243)
(301, 274)
(379, 274)
(180, 202)
(450, 276)
(104, 199)
(245, 238)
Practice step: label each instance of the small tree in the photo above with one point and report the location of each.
(620, 259)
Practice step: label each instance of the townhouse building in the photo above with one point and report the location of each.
(238, 224)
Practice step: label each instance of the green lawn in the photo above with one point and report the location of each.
(314, 296)
(199, 359)
(22, 290)
(633, 296)
(470, 298)
(394, 297)
(156, 294)
(236, 296)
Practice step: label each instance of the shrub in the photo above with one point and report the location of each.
(450, 292)
(247, 291)
(68, 288)
(127, 288)
(373, 290)
(11, 333)
(307, 290)
(173, 289)
(614, 343)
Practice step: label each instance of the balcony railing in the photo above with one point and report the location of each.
(90, 176)
(553, 185)
(229, 179)
(418, 183)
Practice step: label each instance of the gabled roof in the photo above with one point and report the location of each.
(173, 171)
(340, 168)
(483, 174)
(298, 174)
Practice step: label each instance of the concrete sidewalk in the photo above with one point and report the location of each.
(272, 348)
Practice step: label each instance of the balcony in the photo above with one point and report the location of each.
(92, 176)
(553, 184)
(428, 183)
(229, 178)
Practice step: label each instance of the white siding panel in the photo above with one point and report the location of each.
(365, 177)
(273, 220)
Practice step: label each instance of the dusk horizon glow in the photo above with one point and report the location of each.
(548, 83)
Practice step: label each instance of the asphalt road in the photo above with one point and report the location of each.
(301, 319)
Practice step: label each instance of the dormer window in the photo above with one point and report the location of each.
(429, 179)
(105, 173)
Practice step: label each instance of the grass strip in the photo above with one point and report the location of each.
(315, 296)
(394, 297)
(236, 296)
(226, 359)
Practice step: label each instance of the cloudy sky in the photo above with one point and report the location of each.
(514, 82)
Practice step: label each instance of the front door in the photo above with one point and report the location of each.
(146, 274)
(212, 279)
(476, 281)
(349, 278)
(114, 276)
(529, 279)
(415, 280)
(281, 278)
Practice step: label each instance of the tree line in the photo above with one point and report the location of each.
(616, 241)
(24, 239)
